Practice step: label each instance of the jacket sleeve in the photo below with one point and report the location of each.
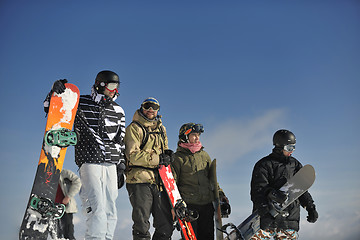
(134, 155)
(259, 185)
(75, 182)
(166, 141)
(119, 138)
(176, 167)
(306, 200)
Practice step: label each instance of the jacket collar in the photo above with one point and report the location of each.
(278, 154)
(100, 98)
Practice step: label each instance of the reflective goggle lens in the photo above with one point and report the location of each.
(112, 86)
(198, 128)
(149, 105)
(289, 147)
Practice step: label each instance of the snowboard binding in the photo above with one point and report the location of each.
(61, 137)
(183, 213)
(277, 200)
(275, 209)
(46, 207)
(239, 235)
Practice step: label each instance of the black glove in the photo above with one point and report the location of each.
(120, 169)
(166, 157)
(170, 153)
(225, 208)
(59, 86)
(312, 214)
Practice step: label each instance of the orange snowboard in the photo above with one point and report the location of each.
(61, 115)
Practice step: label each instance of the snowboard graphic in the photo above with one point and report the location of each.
(58, 135)
(294, 188)
(177, 204)
(216, 202)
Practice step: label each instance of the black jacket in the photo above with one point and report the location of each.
(271, 172)
(100, 124)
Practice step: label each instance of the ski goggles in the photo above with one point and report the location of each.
(146, 106)
(197, 128)
(289, 147)
(112, 87)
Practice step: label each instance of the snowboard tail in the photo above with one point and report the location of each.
(61, 116)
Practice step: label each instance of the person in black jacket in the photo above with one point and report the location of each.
(99, 152)
(269, 174)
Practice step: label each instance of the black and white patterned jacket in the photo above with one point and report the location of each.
(100, 125)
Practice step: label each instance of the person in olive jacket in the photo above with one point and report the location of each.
(269, 174)
(191, 171)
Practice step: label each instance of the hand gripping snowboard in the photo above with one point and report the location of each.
(177, 203)
(58, 136)
(294, 188)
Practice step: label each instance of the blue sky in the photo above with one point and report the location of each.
(243, 69)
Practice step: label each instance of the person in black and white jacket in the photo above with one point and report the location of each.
(99, 153)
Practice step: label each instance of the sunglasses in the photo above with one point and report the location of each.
(289, 147)
(148, 105)
(112, 87)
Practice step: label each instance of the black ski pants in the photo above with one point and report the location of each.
(204, 225)
(147, 200)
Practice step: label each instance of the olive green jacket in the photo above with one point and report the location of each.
(140, 162)
(191, 171)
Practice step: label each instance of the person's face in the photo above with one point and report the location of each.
(111, 89)
(194, 137)
(287, 154)
(150, 113)
(288, 150)
(109, 93)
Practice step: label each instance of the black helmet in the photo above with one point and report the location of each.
(283, 137)
(103, 78)
(188, 128)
